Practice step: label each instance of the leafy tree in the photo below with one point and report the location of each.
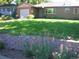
(35, 1)
(18, 1)
(5, 1)
(30, 1)
(49, 0)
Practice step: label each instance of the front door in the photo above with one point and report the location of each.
(24, 13)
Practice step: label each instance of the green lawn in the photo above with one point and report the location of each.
(58, 28)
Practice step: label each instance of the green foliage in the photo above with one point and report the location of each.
(3, 17)
(38, 50)
(18, 1)
(30, 16)
(29, 53)
(51, 10)
(35, 1)
(66, 54)
(1, 45)
(42, 49)
(5, 2)
(27, 50)
(30, 1)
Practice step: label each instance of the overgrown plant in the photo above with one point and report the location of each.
(38, 49)
(1, 45)
(42, 49)
(31, 16)
(66, 54)
(5, 17)
(28, 51)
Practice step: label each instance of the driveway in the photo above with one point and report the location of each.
(2, 57)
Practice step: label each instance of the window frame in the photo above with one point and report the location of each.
(67, 9)
(53, 9)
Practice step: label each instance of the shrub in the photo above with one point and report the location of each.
(4, 17)
(31, 16)
(1, 45)
(1, 19)
(29, 53)
(38, 50)
(43, 50)
(8, 18)
(66, 54)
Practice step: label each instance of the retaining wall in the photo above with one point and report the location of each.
(17, 42)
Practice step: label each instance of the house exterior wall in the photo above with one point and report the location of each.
(23, 6)
(60, 12)
(18, 11)
(7, 10)
(35, 12)
(71, 14)
(39, 12)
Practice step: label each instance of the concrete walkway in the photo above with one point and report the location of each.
(3, 57)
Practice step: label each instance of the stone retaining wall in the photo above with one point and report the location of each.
(17, 42)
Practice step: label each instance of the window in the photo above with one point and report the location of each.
(75, 10)
(67, 9)
(50, 11)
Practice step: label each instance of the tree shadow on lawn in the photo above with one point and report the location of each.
(55, 29)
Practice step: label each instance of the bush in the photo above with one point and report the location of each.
(1, 45)
(66, 53)
(29, 53)
(31, 16)
(1, 19)
(38, 50)
(4, 17)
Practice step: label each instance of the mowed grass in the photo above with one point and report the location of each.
(53, 27)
